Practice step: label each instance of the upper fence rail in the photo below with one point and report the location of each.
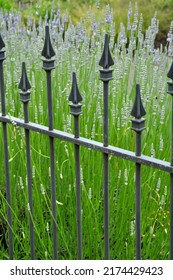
(138, 125)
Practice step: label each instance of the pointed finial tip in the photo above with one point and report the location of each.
(47, 30)
(106, 37)
(138, 110)
(75, 96)
(73, 75)
(138, 88)
(106, 59)
(24, 83)
(48, 51)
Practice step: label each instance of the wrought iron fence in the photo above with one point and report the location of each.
(138, 125)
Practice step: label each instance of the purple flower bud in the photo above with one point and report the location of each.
(6, 16)
(109, 18)
(134, 27)
(16, 19)
(58, 12)
(129, 13)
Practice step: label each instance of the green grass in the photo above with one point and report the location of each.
(81, 54)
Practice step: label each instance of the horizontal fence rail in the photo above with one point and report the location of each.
(91, 144)
(138, 125)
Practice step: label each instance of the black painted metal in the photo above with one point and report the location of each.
(105, 76)
(24, 85)
(138, 112)
(6, 156)
(75, 110)
(48, 66)
(170, 91)
(91, 144)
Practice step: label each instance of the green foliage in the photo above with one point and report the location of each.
(78, 48)
(5, 4)
(79, 8)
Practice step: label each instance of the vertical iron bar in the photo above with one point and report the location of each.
(48, 65)
(49, 98)
(138, 198)
(8, 192)
(106, 207)
(25, 110)
(138, 125)
(2, 95)
(24, 85)
(105, 76)
(53, 185)
(106, 174)
(171, 193)
(170, 91)
(52, 163)
(78, 189)
(105, 102)
(75, 110)
(171, 216)
(6, 159)
(29, 180)
(76, 126)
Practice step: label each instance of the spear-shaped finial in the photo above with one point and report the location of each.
(74, 96)
(24, 83)
(2, 44)
(48, 51)
(138, 110)
(106, 60)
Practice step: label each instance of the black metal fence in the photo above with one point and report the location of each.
(138, 125)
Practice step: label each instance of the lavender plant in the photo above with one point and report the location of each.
(78, 48)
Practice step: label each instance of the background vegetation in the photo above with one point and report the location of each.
(78, 48)
(79, 8)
